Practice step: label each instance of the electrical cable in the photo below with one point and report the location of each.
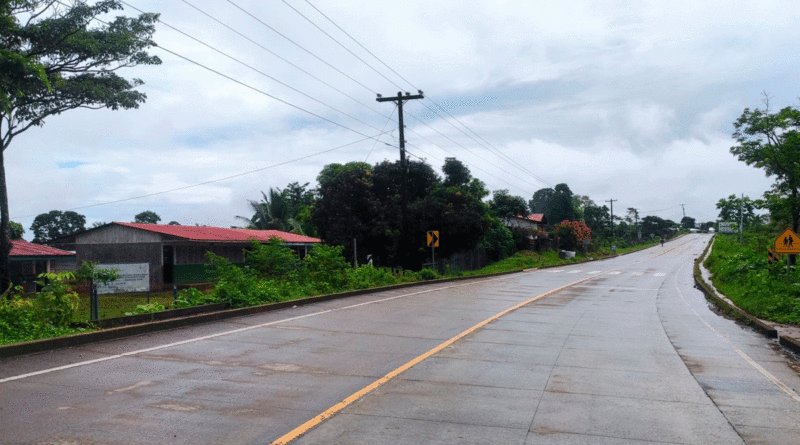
(478, 168)
(340, 44)
(490, 147)
(300, 46)
(384, 129)
(249, 172)
(255, 69)
(424, 123)
(282, 58)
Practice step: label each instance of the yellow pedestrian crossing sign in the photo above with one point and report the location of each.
(788, 242)
(433, 238)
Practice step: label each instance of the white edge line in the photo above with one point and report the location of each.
(789, 391)
(234, 331)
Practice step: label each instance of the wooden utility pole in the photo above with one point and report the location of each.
(403, 186)
(612, 216)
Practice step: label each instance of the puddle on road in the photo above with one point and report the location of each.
(177, 406)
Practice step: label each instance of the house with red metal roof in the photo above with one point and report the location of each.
(532, 221)
(176, 254)
(28, 260)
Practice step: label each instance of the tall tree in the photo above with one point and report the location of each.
(597, 218)
(455, 173)
(504, 206)
(655, 226)
(147, 217)
(688, 222)
(54, 224)
(273, 212)
(56, 58)
(561, 205)
(16, 230)
(347, 207)
(771, 141)
(541, 203)
(730, 208)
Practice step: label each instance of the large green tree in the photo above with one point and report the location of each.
(55, 58)
(503, 205)
(147, 217)
(730, 208)
(771, 141)
(455, 173)
(55, 223)
(347, 207)
(561, 207)
(541, 201)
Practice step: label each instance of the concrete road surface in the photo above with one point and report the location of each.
(621, 351)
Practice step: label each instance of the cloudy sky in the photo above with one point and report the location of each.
(626, 100)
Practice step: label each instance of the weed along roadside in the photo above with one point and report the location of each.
(733, 278)
(272, 279)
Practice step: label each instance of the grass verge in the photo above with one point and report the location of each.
(742, 273)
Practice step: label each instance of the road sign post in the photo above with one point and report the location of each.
(433, 243)
(787, 243)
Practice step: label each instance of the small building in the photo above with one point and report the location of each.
(533, 221)
(176, 254)
(28, 260)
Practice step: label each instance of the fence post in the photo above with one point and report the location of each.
(94, 302)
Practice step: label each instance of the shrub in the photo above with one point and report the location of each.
(366, 276)
(47, 315)
(326, 268)
(56, 303)
(193, 297)
(428, 274)
(572, 234)
(498, 241)
(147, 308)
(272, 260)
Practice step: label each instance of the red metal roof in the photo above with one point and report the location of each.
(22, 248)
(536, 217)
(204, 233)
(533, 217)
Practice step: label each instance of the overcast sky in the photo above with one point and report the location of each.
(626, 100)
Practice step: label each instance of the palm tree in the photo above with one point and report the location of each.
(272, 213)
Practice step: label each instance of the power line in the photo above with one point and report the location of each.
(283, 59)
(488, 145)
(212, 181)
(300, 46)
(255, 69)
(383, 129)
(424, 123)
(340, 43)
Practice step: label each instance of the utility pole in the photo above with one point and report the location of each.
(403, 166)
(612, 216)
(684, 210)
(741, 218)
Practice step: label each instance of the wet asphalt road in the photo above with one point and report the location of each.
(627, 353)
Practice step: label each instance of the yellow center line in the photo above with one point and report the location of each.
(304, 428)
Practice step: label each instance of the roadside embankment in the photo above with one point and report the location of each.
(787, 335)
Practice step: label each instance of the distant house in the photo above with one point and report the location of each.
(28, 260)
(176, 254)
(532, 221)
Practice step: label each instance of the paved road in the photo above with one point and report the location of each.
(622, 351)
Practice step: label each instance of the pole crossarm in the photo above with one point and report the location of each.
(400, 97)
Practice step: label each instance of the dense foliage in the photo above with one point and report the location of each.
(56, 57)
(49, 314)
(55, 224)
(743, 274)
